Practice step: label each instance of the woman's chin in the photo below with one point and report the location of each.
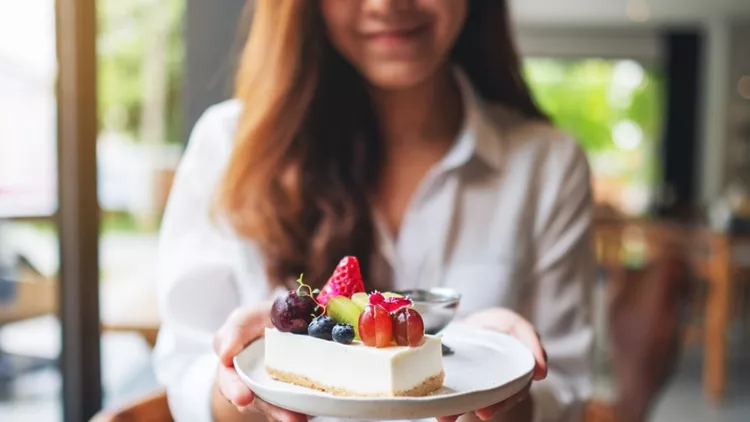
(398, 76)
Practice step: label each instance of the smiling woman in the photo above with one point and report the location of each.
(399, 133)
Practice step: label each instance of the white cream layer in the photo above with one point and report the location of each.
(354, 367)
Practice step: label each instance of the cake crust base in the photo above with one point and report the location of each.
(427, 387)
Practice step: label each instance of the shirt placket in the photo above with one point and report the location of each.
(416, 257)
(422, 241)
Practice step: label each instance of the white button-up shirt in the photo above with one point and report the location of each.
(504, 218)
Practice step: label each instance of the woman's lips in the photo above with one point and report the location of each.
(396, 36)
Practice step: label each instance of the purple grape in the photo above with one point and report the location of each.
(292, 313)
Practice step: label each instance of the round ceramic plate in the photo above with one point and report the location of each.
(486, 368)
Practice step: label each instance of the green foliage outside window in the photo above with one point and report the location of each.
(612, 107)
(140, 51)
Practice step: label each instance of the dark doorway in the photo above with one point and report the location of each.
(682, 64)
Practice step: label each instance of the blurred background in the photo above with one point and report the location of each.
(656, 91)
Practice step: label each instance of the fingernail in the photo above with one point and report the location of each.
(489, 413)
(485, 416)
(237, 393)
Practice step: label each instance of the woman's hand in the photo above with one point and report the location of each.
(518, 407)
(242, 328)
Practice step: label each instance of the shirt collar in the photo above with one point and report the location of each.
(480, 137)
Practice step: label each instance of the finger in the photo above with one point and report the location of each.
(277, 413)
(504, 406)
(243, 326)
(524, 331)
(231, 387)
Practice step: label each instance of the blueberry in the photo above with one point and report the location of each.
(321, 327)
(343, 333)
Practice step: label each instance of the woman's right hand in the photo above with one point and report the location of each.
(244, 326)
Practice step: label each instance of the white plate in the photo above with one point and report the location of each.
(487, 368)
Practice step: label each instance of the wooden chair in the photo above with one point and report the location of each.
(152, 408)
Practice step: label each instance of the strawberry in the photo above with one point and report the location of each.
(345, 281)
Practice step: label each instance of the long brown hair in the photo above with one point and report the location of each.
(308, 154)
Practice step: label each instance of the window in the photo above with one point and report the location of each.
(29, 327)
(614, 109)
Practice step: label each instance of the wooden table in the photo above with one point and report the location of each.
(712, 261)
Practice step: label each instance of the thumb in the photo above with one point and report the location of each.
(242, 327)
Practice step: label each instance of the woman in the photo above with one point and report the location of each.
(397, 131)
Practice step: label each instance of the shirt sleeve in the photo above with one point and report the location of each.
(197, 282)
(559, 302)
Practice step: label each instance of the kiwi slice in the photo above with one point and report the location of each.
(344, 311)
(361, 299)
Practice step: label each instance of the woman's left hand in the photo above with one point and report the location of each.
(509, 322)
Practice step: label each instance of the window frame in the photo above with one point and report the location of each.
(78, 209)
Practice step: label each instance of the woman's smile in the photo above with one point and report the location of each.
(398, 37)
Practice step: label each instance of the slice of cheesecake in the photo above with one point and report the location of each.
(347, 342)
(354, 369)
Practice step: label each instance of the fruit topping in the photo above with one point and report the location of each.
(408, 327)
(343, 333)
(292, 312)
(393, 301)
(376, 298)
(361, 299)
(322, 328)
(344, 311)
(390, 301)
(393, 304)
(375, 326)
(345, 281)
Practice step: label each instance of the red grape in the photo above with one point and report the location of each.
(375, 326)
(408, 327)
